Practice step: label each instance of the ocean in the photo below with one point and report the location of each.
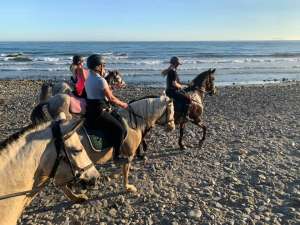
(141, 62)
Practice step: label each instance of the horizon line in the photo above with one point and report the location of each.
(267, 40)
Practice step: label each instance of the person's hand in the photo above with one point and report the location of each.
(124, 105)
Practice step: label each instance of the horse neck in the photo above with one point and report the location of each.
(21, 169)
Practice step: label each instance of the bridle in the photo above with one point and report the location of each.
(59, 142)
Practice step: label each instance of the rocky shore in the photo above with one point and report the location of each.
(247, 172)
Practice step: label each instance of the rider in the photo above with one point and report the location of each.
(79, 75)
(98, 91)
(174, 87)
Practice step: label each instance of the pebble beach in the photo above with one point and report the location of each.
(247, 171)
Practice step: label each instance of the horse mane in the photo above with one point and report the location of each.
(12, 138)
(197, 81)
(142, 107)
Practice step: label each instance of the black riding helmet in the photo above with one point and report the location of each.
(95, 60)
(77, 59)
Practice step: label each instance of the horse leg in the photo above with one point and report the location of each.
(204, 128)
(141, 150)
(142, 147)
(128, 187)
(72, 196)
(181, 130)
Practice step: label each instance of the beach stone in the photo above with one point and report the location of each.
(150, 221)
(196, 213)
(113, 212)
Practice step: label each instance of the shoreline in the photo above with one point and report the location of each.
(279, 82)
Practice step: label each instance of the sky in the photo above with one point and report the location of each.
(149, 20)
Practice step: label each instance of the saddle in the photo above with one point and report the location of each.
(98, 138)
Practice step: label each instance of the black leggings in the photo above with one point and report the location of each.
(98, 119)
(180, 98)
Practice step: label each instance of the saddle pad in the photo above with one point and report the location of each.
(77, 105)
(97, 139)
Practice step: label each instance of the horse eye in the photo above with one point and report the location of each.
(76, 151)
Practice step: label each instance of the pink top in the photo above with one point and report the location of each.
(81, 75)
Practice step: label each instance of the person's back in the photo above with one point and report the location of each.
(79, 75)
(173, 87)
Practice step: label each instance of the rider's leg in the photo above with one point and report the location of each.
(182, 99)
(115, 129)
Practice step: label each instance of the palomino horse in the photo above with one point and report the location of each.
(32, 156)
(113, 78)
(141, 116)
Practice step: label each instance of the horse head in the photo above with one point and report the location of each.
(210, 83)
(115, 79)
(205, 82)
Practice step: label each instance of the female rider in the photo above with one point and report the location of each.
(98, 117)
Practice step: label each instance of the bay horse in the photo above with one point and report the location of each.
(198, 88)
(32, 156)
(201, 85)
(139, 117)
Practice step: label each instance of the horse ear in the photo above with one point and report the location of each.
(209, 70)
(214, 70)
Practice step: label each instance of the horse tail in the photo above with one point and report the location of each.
(45, 92)
(38, 114)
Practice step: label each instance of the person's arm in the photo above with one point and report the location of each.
(108, 93)
(177, 84)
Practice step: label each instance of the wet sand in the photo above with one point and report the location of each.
(247, 172)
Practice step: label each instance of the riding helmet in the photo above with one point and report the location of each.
(77, 59)
(95, 60)
(175, 60)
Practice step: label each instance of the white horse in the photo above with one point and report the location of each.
(141, 116)
(32, 156)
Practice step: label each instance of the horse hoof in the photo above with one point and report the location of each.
(131, 188)
(142, 157)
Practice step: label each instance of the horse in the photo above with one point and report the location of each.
(201, 85)
(113, 78)
(141, 116)
(35, 154)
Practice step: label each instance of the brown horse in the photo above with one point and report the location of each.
(201, 85)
